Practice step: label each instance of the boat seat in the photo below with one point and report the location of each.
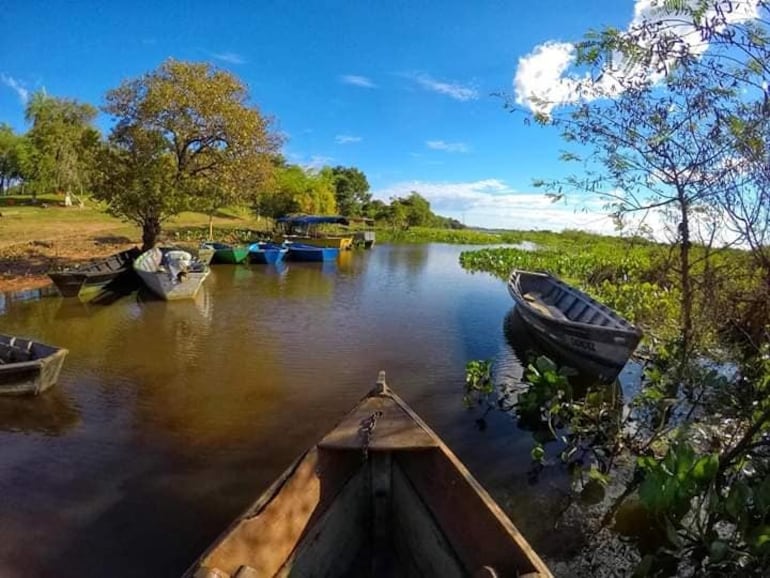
(535, 301)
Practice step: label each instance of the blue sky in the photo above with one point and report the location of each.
(401, 89)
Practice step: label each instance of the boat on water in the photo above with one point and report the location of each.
(95, 276)
(568, 319)
(267, 253)
(171, 273)
(379, 495)
(305, 252)
(226, 253)
(205, 254)
(28, 367)
(305, 229)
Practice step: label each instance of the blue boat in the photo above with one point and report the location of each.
(267, 253)
(303, 252)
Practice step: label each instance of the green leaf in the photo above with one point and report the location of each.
(706, 468)
(537, 453)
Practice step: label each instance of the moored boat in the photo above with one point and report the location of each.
(305, 252)
(568, 319)
(267, 253)
(379, 495)
(205, 254)
(28, 367)
(304, 229)
(170, 273)
(94, 276)
(226, 253)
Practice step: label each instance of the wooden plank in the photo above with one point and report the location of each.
(418, 541)
(335, 541)
(475, 526)
(264, 537)
(394, 428)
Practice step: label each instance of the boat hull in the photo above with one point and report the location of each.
(164, 281)
(380, 494)
(563, 320)
(309, 253)
(29, 367)
(96, 276)
(267, 253)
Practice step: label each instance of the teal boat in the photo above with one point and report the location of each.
(224, 253)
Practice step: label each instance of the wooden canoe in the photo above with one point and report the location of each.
(379, 495)
(28, 367)
(94, 276)
(227, 254)
(568, 319)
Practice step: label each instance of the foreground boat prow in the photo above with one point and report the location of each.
(379, 495)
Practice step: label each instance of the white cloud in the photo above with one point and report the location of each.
(17, 86)
(357, 80)
(450, 147)
(491, 203)
(347, 139)
(453, 90)
(543, 79)
(230, 57)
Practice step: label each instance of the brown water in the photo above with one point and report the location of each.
(170, 418)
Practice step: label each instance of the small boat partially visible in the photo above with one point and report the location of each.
(225, 253)
(267, 253)
(304, 252)
(205, 254)
(95, 276)
(171, 273)
(379, 495)
(28, 367)
(568, 319)
(305, 229)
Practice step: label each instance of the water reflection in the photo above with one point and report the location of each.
(53, 413)
(175, 415)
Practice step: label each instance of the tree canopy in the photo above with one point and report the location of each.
(185, 137)
(351, 190)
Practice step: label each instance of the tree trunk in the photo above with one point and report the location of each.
(150, 232)
(211, 226)
(684, 257)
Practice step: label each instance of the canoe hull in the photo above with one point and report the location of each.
(32, 374)
(96, 276)
(393, 501)
(568, 319)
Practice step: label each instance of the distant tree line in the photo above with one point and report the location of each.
(184, 137)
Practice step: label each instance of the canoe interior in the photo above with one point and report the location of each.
(553, 298)
(28, 367)
(405, 507)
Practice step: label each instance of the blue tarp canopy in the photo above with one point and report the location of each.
(312, 220)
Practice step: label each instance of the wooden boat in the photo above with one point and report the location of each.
(267, 253)
(304, 229)
(95, 276)
(568, 319)
(225, 253)
(28, 367)
(170, 273)
(379, 495)
(304, 252)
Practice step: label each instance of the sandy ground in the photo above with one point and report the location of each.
(24, 265)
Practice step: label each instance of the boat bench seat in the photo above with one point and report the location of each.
(536, 302)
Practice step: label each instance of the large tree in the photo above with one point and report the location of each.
(63, 144)
(299, 190)
(186, 136)
(351, 190)
(14, 151)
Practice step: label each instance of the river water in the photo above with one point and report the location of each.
(170, 418)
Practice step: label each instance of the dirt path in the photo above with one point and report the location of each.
(24, 265)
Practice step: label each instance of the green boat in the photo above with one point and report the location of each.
(224, 253)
